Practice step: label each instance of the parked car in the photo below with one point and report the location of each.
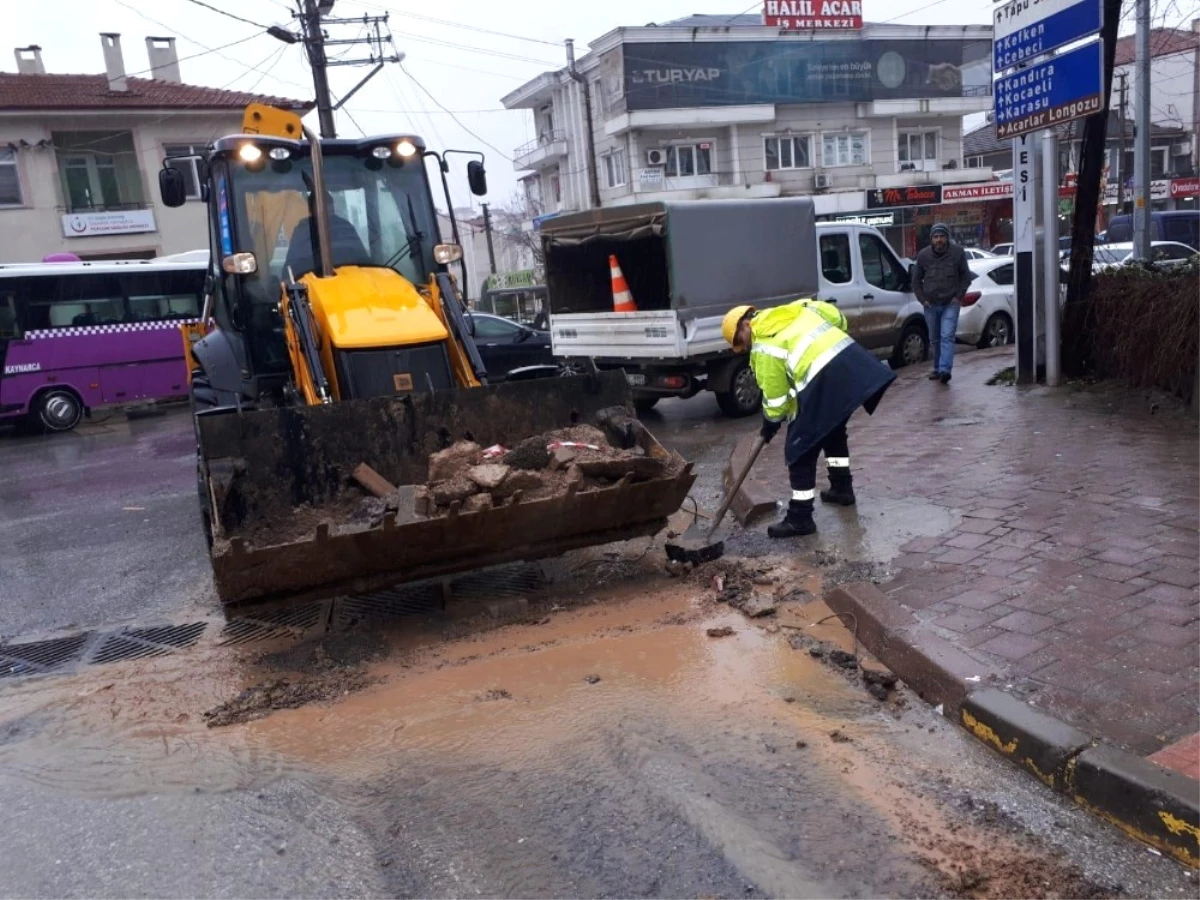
(1166, 253)
(976, 253)
(505, 346)
(986, 319)
(1181, 225)
(1003, 250)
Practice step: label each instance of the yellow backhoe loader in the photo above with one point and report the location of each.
(334, 335)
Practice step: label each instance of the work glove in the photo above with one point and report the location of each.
(769, 429)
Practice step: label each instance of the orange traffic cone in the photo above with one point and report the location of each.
(622, 299)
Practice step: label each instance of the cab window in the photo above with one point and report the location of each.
(835, 258)
(880, 268)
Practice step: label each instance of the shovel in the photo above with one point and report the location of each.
(697, 547)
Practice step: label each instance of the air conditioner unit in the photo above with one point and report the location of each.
(820, 181)
(656, 157)
(1181, 149)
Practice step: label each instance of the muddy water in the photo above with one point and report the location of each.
(612, 749)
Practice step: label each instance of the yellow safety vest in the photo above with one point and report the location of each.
(791, 345)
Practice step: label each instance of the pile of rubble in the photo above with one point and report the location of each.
(476, 478)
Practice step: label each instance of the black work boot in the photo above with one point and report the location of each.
(797, 523)
(935, 375)
(841, 488)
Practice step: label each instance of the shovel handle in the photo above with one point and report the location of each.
(759, 443)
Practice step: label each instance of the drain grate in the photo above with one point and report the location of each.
(291, 620)
(40, 656)
(142, 643)
(412, 600)
(510, 581)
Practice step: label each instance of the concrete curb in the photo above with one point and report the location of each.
(1153, 804)
(754, 499)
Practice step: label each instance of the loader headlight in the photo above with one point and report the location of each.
(406, 148)
(249, 153)
(447, 253)
(240, 264)
(279, 153)
(381, 152)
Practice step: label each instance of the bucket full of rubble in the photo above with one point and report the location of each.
(357, 496)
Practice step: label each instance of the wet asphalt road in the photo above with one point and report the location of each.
(676, 775)
(100, 527)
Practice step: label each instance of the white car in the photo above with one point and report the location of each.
(986, 318)
(976, 253)
(1167, 253)
(1002, 250)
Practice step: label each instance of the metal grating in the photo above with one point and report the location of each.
(284, 622)
(40, 656)
(509, 581)
(141, 643)
(412, 600)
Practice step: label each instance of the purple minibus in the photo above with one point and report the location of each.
(79, 336)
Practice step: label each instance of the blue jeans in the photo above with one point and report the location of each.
(943, 325)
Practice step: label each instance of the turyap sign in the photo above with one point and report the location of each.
(735, 73)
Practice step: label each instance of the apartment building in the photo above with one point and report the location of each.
(79, 155)
(867, 120)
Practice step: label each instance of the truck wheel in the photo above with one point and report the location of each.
(58, 410)
(202, 397)
(913, 347)
(744, 397)
(645, 404)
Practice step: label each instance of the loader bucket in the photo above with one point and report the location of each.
(273, 474)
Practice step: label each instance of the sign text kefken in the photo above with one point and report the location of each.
(1024, 29)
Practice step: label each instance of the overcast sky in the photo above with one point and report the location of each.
(466, 54)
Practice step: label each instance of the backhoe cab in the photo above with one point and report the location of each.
(329, 280)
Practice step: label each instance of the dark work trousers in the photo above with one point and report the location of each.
(803, 473)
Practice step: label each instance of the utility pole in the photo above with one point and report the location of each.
(314, 47)
(593, 177)
(487, 230)
(1141, 138)
(1121, 146)
(312, 36)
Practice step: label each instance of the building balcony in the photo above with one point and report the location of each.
(545, 150)
(915, 178)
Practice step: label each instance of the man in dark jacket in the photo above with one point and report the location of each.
(941, 279)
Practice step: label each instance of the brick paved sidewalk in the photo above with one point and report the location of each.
(1074, 564)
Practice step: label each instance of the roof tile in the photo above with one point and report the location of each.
(47, 92)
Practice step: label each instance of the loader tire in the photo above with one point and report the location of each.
(203, 397)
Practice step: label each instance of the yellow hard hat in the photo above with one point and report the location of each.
(729, 324)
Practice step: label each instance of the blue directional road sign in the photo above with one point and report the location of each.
(1025, 29)
(1069, 86)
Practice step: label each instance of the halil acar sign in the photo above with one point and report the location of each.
(805, 15)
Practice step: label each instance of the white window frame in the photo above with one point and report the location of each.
(616, 167)
(849, 136)
(9, 158)
(695, 147)
(193, 148)
(925, 163)
(974, 162)
(794, 140)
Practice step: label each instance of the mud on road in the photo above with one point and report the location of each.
(601, 743)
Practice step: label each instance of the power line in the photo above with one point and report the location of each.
(473, 49)
(205, 52)
(457, 120)
(447, 22)
(217, 9)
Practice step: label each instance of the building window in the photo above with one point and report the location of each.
(98, 170)
(684, 160)
(10, 180)
(974, 162)
(556, 190)
(194, 170)
(918, 147)
(784, 152)
(844, 149)
(615, 170)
